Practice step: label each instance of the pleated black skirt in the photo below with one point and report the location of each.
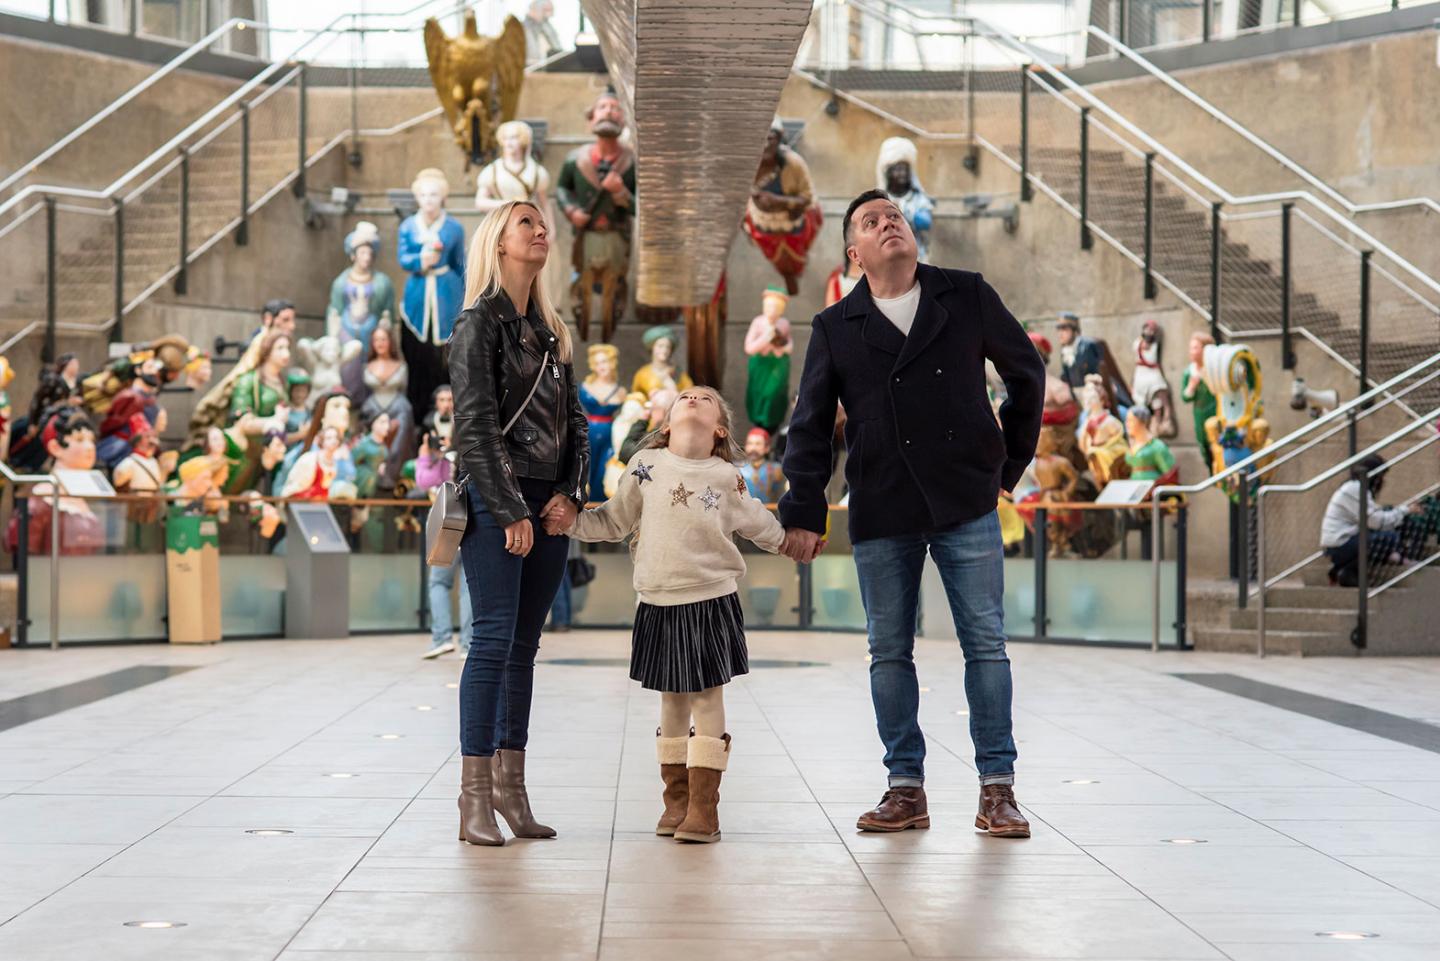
(688, 648)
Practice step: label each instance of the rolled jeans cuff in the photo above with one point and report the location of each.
(897, 781)
(987, 779)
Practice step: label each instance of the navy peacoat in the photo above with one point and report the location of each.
(925, 452)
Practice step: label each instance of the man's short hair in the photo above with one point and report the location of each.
(856, 204)
(274, 307)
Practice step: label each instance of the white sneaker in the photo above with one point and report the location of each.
(439, 649)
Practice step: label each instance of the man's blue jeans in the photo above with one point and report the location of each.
(441, 581)
(970, 559)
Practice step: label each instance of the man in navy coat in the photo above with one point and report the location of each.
(905, 353)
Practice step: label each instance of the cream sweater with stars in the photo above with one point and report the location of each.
(684, 514)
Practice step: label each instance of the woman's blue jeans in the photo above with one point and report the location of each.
(970, 558)
(510, 597)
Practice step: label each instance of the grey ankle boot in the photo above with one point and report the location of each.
(477, 805)
(511, 799)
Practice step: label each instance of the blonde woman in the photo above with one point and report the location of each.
(524, 455)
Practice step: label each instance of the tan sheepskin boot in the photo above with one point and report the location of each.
(706, 759)
(671, 753)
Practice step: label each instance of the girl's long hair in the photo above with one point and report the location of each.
(482, 273)
(726, 448)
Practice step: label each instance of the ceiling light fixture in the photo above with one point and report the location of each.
(1346, 935)
(268, 832)
(154, 924)
(342, 775)
(389, 737)
(1184, 841)
(1080, 780)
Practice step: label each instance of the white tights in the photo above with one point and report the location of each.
(707, 708)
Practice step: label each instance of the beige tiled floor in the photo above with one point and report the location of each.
(135, 807)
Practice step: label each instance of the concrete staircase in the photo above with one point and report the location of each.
(1307, 617)
(85, 255)
(1251, 288)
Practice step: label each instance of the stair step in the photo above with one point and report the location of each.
(1330, 620)
(1314, 598)
(1303, 643)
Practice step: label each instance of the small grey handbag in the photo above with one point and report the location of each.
(450, 511)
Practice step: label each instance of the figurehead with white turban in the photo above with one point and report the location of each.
(896, 175)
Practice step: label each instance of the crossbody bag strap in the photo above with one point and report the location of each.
(528, 397)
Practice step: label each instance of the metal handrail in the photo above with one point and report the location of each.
(331, 30)
(129, 95)
(1035, 58)
(1421, 565)
(1244, 465)
(1254, 140)
(1314, 482)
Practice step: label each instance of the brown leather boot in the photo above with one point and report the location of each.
(999, 814)
(671, 753)
(512, 801)
(477, 804)
(900, 809)
(706, 759)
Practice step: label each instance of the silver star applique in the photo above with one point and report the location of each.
(641, 473)
(711, 499)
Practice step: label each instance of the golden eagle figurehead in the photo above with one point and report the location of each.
(478, 80)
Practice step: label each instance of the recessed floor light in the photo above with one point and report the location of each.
(269, 832)
(154, 924)
(342, 775)
(962, 713)
(1346, 935)
(924, 690)
(1184, 841)
(452, 686)
(423, 707)
(1080, 780)
(389, 737)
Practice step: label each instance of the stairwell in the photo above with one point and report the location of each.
(1251, 287)
(85, 288)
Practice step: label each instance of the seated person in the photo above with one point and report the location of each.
(1340, 530)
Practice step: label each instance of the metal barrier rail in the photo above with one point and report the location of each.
(22, 599)
(1365, 592)
(1292, 444)
(1037, 544)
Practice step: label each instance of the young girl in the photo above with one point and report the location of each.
(684, 500)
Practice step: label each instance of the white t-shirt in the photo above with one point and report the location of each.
(901, 310)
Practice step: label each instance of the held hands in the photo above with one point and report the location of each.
(429, 257)
(615, 185)
(578, 217)
(802, 546)
(559, 514)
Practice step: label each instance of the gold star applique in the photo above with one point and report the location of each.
(680, 495)
(711, 498)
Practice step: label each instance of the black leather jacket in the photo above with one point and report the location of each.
(495, 358)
